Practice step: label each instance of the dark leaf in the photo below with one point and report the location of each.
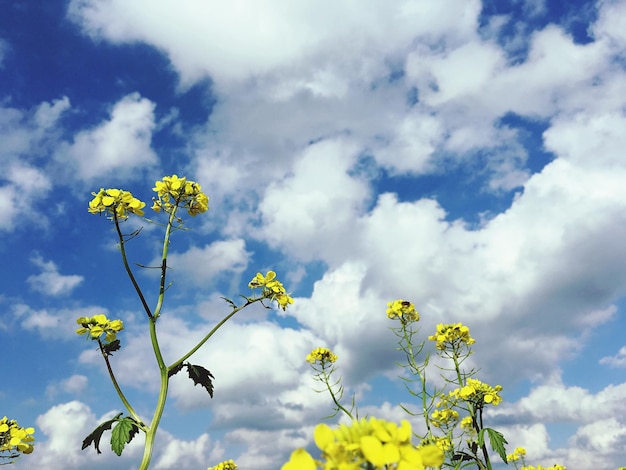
(175, 370)
(96, 434)
(110, 347)
(201, 376)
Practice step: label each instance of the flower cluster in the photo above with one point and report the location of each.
(373, 441)
(478, 393)
(518, 453)
(15, 438)
(226, 465)
(443, 443)
(116, 202)
(452, 335)
(173, 192)
(321, 355)
(445, 417)
(402, 310)
(99, 325)
(272, 288)
(539, 467)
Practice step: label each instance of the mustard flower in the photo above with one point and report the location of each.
(373, 441)
(452, 335)
(116, 202)
(272, 288)
(98, 325)
(478, 393)
(444, 418)
(322, 355)
(539, 467)
(402, 310)
(226, 465)
(173, 192)
(518, 453)
(15, 438)
(442, 443)
(467, 423)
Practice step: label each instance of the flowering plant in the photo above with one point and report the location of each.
(14, 440)
(172, 194)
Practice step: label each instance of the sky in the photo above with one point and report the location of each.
(466, 156)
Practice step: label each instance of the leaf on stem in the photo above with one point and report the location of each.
(229, 302)
(110, 347)
(122, 434)
(201, 376)
(175, 370)
(96, 434)
(497, 441)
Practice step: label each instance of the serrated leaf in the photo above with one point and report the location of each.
(96, 434)
(122, 434)
(175, 370)
(201, 376)
(497, 442)
(112, 346)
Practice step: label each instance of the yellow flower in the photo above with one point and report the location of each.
(452, 335)
(402, 310)
(115, 202)
(98, 325)
(300, 460)
(272, 288)
(478, 392)
(15, 438)
(173, 192)
(321, 355)
(371, 441)
(226, 465)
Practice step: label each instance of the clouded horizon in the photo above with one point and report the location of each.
(466, 156)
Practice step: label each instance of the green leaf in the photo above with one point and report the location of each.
(497, 441)
(96, 434)
(110, 347)
(229, 302)
(201, 376)
(175, 370)
(122, 434)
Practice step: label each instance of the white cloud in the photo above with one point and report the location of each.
(52, 322)
(67, 424)
(120, 145)
(232, 41)
(50, 281)
(619, 360)
(204, 265)
(75, 384)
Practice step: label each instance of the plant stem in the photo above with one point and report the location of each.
(127, 404)
(127, 266)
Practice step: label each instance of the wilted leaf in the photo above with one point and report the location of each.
(201, 376)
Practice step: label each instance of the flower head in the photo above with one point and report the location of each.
(99, 325)
(272, 288)
(173, 192)
(14, 437)
(116, 202)
(226, 465)
(452, 335)
(321, 355)
(372, 441)
(402, 310)
(478, 393)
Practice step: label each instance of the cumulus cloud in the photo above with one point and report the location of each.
(67, 424)
(50, 281)
(619, 360)
(121, 144)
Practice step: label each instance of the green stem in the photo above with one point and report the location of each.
(156, 418)
(166, 244)
(215, 328)
(127, 404)
(407, 347)
(127, 266)
(326, 380)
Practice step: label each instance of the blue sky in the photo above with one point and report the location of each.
(466, 156)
